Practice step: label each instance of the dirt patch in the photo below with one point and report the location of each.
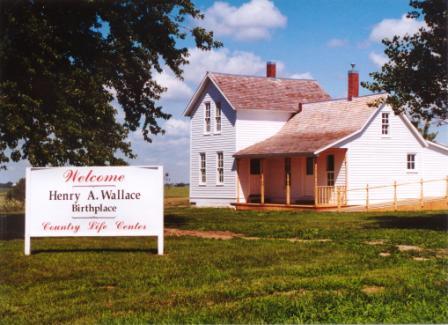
(371, 290)
(418, 258)
(224, 235)
(384, 254)
(227, 235)
(375, 242)
(441, 252)
(407, 248)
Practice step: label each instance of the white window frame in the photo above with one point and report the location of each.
(218, 117)
(202, 169)
(207, 118)
(385, 124)
(219, 168)
(411, 162)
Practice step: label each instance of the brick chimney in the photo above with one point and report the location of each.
(270, 70)
(353, 83)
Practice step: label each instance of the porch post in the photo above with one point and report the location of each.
(288, 180)
(262, 181)
(237, 161)
(316, 201)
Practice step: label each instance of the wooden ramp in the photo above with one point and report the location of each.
(401, 205)
(436, 203)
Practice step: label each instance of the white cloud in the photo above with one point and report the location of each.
(378, 59)
(305, 75)
(337, 42)
(175, 127)
(166, 142)
(177, 90)
(253, 20)
(223, 60)
(387, 28)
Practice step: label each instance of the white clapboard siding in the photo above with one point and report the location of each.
(211, 193)
(253, 126)
(435, 166)
(375, 159)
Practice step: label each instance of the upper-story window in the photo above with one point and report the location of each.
(202, 169)
(411, 161)
(220, 168)
(207, 120)
(385, 123)
(218, 117)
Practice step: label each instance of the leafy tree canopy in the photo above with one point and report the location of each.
(58, 60)
(416, 76)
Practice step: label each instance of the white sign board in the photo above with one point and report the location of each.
(94, 201)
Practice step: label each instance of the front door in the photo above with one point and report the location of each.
(308, 177)
(255, 178)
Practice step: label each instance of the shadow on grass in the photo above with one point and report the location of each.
(431, 222)
(12, 226)
(172, 221)
(96, 250)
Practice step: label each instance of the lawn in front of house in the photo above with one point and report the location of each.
(289, 267)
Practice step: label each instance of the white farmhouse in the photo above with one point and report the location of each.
(268, 141)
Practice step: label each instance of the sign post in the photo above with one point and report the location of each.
(94, 201)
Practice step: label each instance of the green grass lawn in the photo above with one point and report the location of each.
(266, 280)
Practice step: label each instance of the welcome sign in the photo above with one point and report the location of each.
(94, 201)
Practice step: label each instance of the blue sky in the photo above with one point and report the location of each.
(308, 39)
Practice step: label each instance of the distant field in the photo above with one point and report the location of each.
(176, 196)
(282, 267)
(172, 191)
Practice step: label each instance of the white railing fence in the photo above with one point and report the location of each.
(392, 194)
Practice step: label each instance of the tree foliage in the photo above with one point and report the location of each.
(61, 59)
(416, 76)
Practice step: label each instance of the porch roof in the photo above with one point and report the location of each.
(316, 127)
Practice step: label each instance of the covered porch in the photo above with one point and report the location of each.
(288, 182)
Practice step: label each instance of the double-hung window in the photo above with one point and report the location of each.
(220, 168)
(202, 169)
(207, 119)
(218, 117)
(410, 161)
(385, 123)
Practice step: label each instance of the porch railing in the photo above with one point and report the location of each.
(331, 196)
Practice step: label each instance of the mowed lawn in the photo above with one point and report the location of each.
(284, 267)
